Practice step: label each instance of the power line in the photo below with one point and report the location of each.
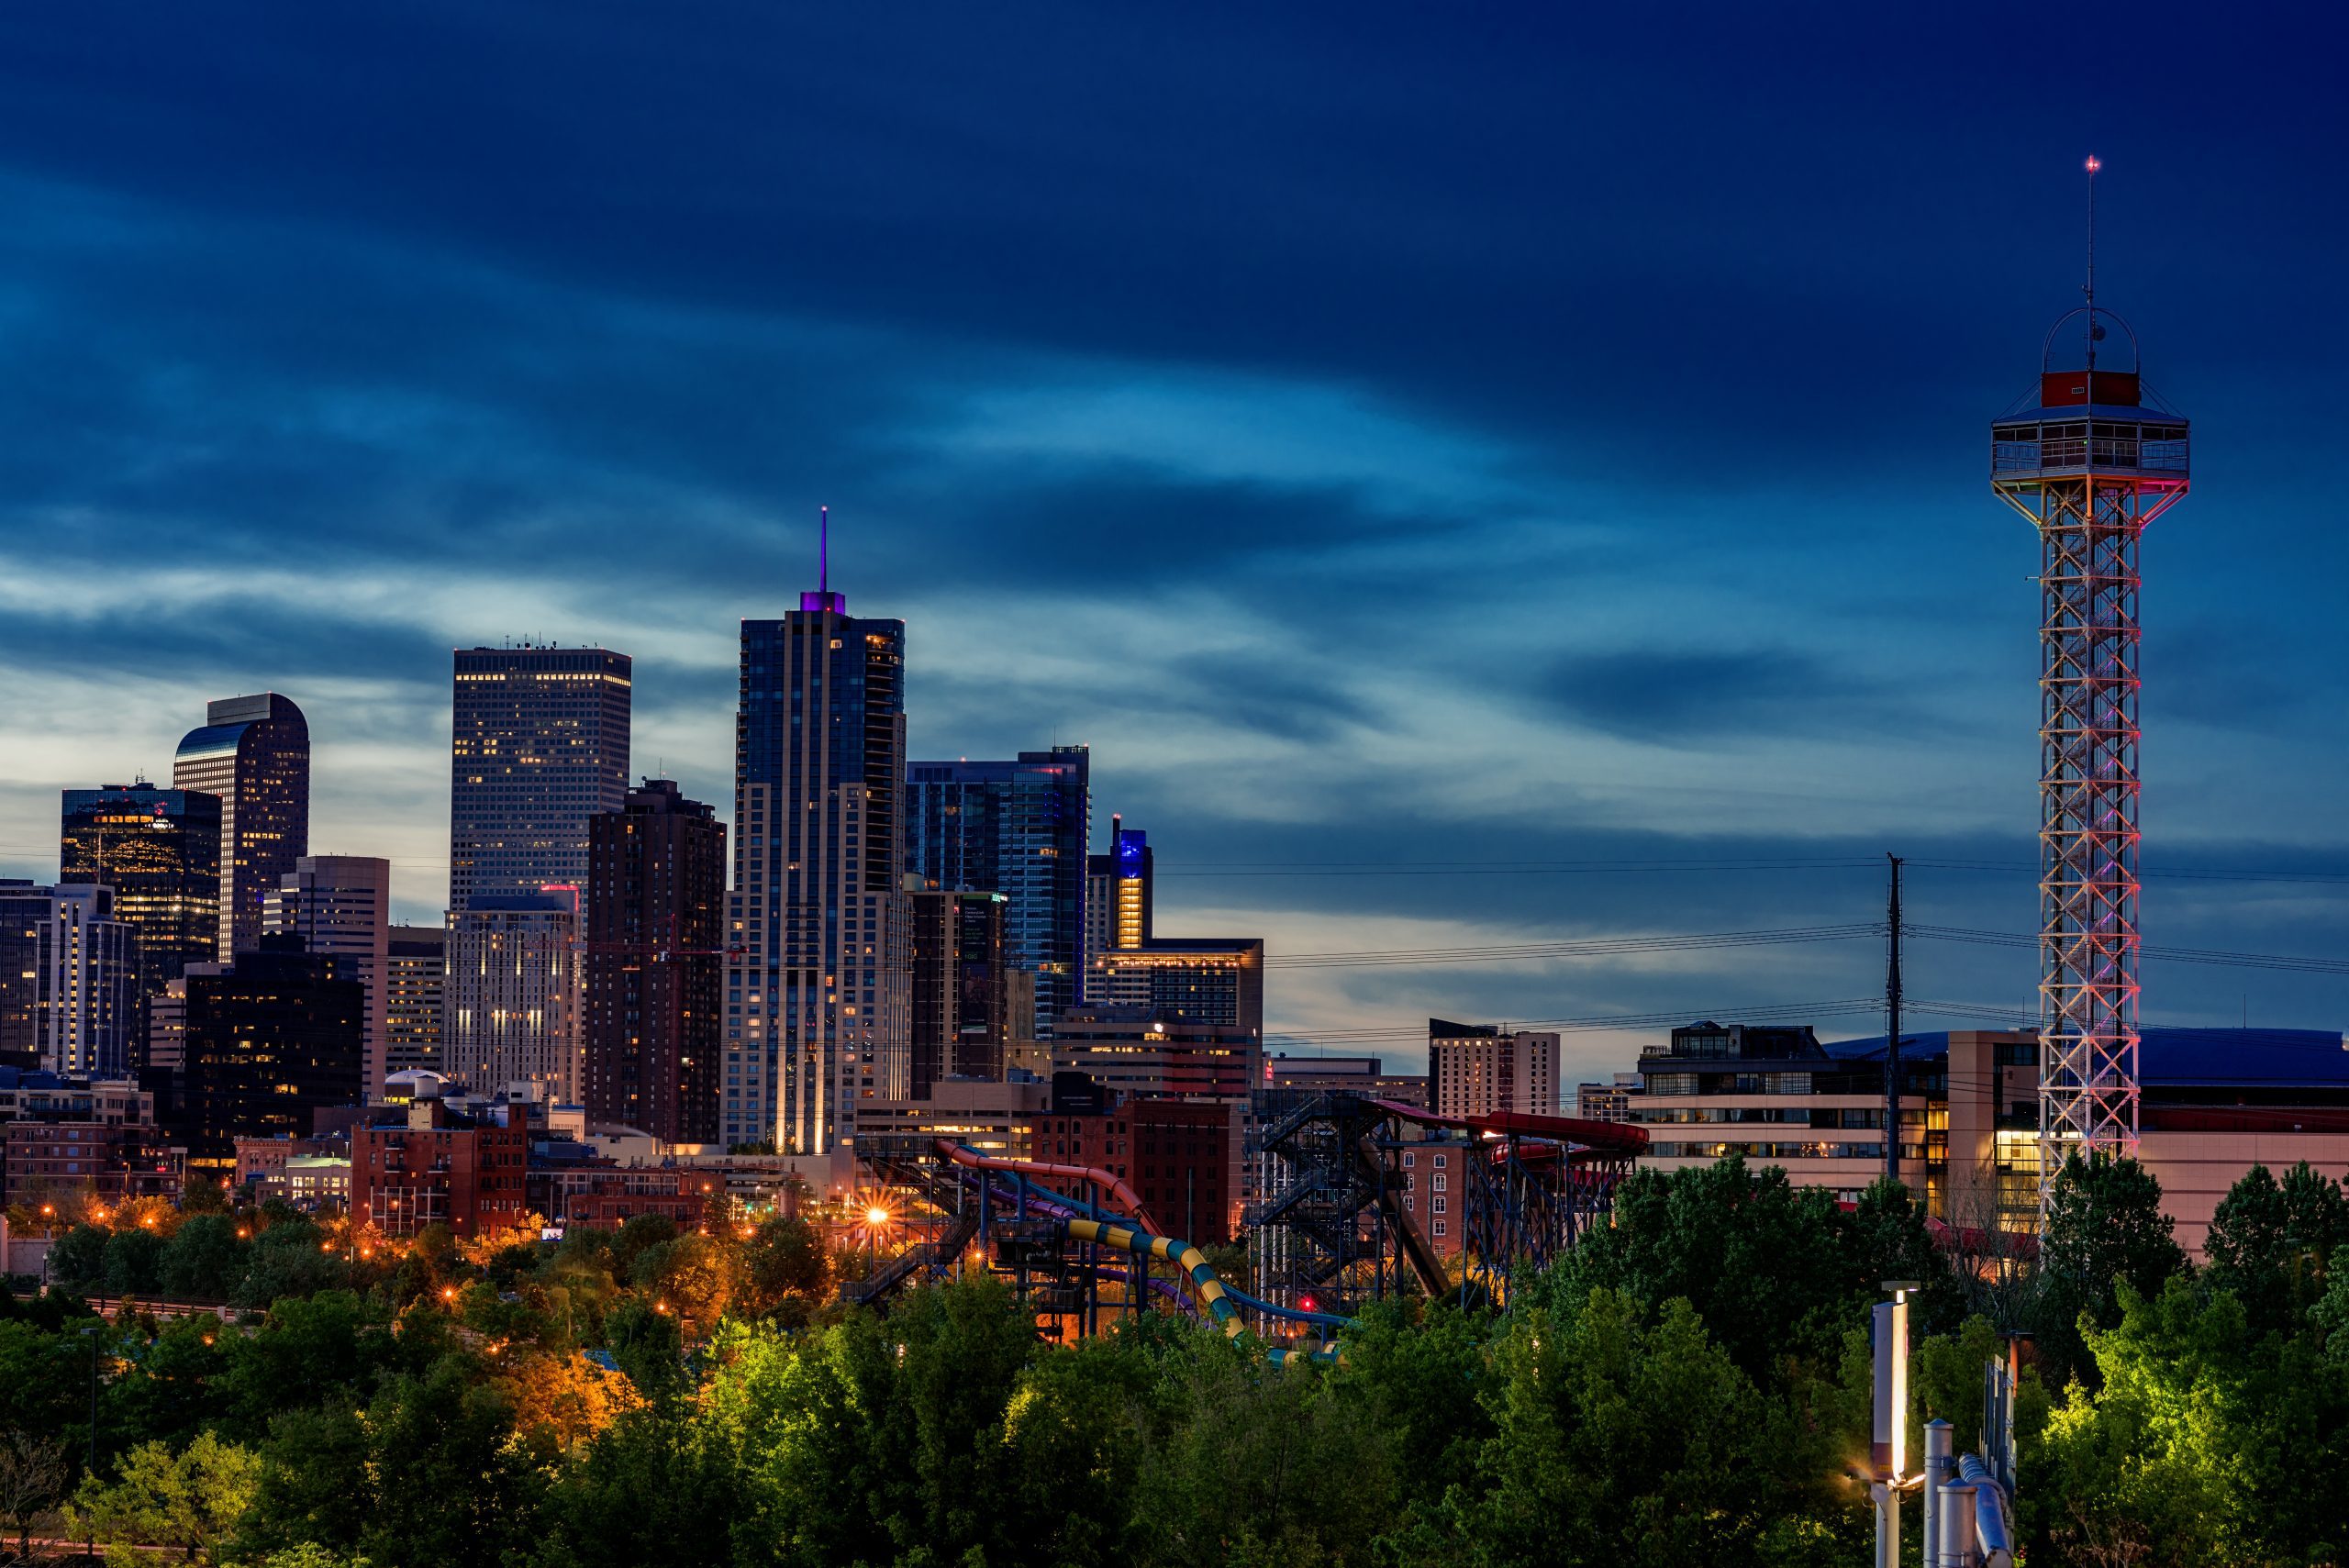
(2289, 962)
(1593, 947)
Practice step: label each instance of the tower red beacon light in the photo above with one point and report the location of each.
(2089, 457)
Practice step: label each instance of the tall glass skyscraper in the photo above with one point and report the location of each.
(254, 753)
(160, 850)
(539, 748)
(1018, 829)
(817, 982)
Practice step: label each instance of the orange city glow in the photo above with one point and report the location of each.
(877, 1215)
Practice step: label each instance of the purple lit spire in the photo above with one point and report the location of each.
(823, 598)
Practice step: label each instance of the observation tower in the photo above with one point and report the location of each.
(2090, 461)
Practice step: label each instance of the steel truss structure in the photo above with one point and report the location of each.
(2090, 467)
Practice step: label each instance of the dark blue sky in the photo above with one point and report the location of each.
(1461, 434)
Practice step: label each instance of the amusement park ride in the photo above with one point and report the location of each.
(1332, 1230)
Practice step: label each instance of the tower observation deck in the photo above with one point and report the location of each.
(2091, 461)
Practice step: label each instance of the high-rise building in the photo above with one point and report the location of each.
(1018, 829)
(656, 916)
(254, 753)
(959, 1002)
(160, 850)
(342, 905)
(1477, 1069)
(415, 989)
(538, 747)
(817, 982)
(1208, 980)
(70, 999)
(1117, 893)
(24, 910)
(1133, 1050)
(273, 1038)
(513, 993)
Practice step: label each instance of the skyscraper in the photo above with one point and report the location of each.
(959, 1002)
(1117, 895)
(1018, 829)
(271, 1039)
(341, 904)
(513, 993)
(72, 993)
(160, 850)
(415, 986)
(656, 917)
(254, 753)
(538, 746)
(816, 989)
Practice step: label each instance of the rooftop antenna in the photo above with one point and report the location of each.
(823, 598)
(824, 514)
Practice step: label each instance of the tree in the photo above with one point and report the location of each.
(77, 1260)
(190, 1500)
(2105, 1228)
(204, 1258)
(444, 1484)
(783, 1266)
(652, 1487)
(34, 1473)
(1777, 1272)
(2273, 1244)
(134, 1262)
(293, 1257)
(646, 1344)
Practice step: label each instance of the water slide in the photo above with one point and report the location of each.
(1211, 1293)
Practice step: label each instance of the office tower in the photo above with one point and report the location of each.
(72, 995)
(1018, 829)
(1477, 1069)
(655, 965)
(1116, 893)
(274, 1038)
(538, 746)
(254, 753)
(513, 991)
(342, 905)
(816, 988)
(1606, 1102)
(160, 850)
(415, 986)
(959, 1002)
(1209, 980)
(24, 911)
(1134, 1052)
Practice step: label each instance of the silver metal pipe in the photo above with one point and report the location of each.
(1956, 1522)
(1940, 1469)
(1988, 1514)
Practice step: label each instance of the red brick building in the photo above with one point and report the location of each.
(1182, 1157)
(438, 1166)
(603, 1196)
(47, 1160)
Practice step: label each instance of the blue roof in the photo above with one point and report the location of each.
(212, 739)
(2237, 1058)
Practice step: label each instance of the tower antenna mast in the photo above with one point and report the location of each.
(2089, 462)
(2088, 289)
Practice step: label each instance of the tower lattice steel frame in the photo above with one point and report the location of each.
(2090, 466)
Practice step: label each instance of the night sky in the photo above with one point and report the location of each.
(1516, 437)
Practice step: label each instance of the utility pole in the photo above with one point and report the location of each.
(1892, 1031)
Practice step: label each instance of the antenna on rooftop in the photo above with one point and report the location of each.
(2088, 288)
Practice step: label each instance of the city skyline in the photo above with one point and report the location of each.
(1676, 591)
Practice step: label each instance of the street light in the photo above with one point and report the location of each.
(875, 1218)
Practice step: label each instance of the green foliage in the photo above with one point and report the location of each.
(289, 1259)
(784, 1270)
(2273, 1244)
(134, 1262)
(204, 1260)
(2203, 1444)
(2105, 1228)
(77, 1260)
(1777, 1272)
(190, 1500)
(647, 1346)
